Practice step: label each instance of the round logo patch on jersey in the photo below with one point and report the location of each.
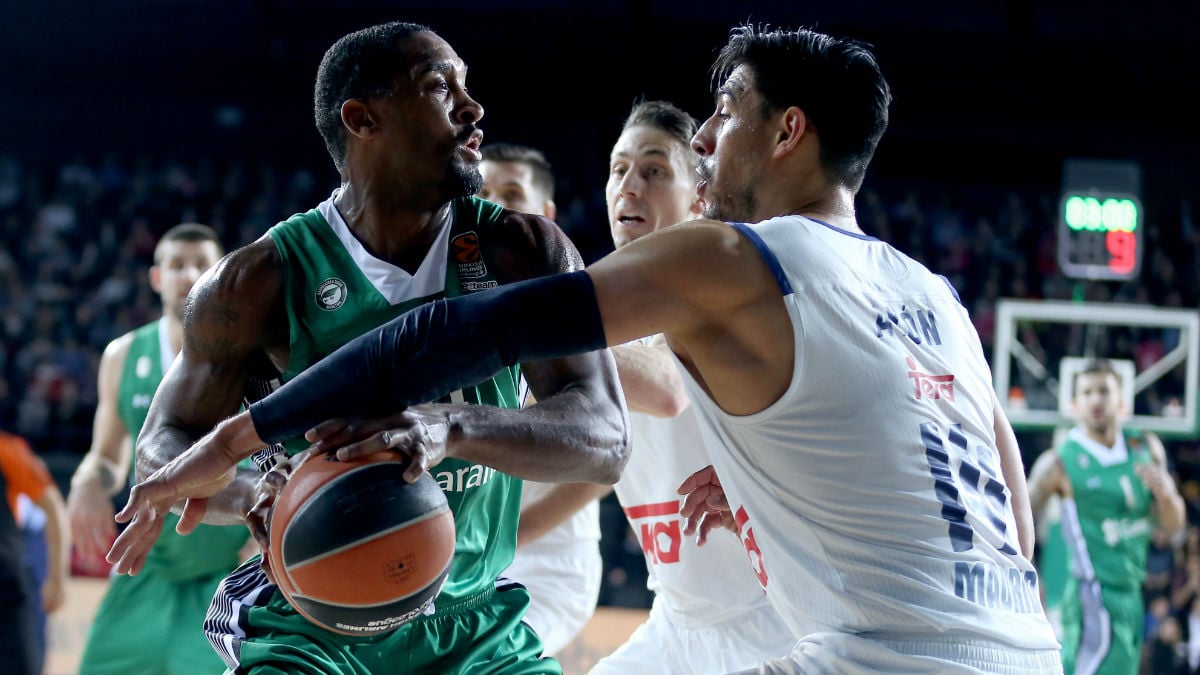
(331, 294)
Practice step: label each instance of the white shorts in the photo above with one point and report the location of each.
(563, 588)
(666, 646)
(847, 654)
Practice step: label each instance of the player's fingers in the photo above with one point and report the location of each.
(128, 553)
(193, 514)
(717, 501)
(416, 465)
(325, 429)
(364, 447)
(701, 477)
(696, 501)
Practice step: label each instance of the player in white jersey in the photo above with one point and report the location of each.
(859, 451)
(697, 625)
(558, 537)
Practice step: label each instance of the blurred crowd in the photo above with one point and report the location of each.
(76, 240)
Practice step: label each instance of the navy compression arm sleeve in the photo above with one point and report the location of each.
(435, 349)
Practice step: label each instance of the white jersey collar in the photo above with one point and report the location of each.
(393, 283)
(1101, 453)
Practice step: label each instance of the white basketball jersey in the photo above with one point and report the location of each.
(665, 451)
(869, 496)
(580, 530)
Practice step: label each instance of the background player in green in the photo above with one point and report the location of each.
(403, 229)
(150, 624)
(1115, 490)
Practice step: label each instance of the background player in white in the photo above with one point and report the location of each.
(558, 538)
(861, 452)
(709, 614)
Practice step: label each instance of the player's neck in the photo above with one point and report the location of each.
(834, 206)
(392, 226)
(1106, 436)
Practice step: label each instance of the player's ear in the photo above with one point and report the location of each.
(358, 118)
(549, 209)
(156, 279)
(791, 127)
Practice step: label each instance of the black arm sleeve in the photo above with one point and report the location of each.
(435, 349)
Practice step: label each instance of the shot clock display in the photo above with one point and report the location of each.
(1100, 221)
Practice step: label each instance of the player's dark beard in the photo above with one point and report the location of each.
(462, 180)
(734, 207)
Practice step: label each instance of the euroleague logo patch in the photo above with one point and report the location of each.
(331, 294)
(465, 249)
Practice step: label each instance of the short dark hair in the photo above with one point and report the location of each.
(189, 233)
(362, 64)
(836, 82)
(668, 118)
(1094, 367)
(543, 174)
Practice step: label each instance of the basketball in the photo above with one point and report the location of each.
(357, 550)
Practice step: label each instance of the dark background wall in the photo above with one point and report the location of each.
(987, 88)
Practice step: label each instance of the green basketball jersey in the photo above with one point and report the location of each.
(1112, 510)
(210, 549)
(336, 291)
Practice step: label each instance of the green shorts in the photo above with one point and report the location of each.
(1102, 629)
(149, 625)
(479, 635)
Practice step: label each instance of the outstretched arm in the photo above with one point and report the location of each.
(704, 282)
(228, 321)
(697, 282)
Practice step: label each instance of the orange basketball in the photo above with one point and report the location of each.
(357, 550)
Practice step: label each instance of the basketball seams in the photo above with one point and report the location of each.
(358, 542)
(334, 517)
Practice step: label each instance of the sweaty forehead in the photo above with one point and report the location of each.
(428, 52)
(739, 84)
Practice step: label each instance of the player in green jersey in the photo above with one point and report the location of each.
(151, 624)
(1115, 490)
(403, 229)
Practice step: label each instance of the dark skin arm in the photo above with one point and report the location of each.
(227, 328)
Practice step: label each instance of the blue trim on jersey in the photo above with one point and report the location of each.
(953, 290)
(835, 228)
(768, 257)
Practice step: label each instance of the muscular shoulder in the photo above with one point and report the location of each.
(523, 246)
(242, 292)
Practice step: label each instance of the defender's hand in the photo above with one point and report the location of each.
(201, 472)
(705, 507)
